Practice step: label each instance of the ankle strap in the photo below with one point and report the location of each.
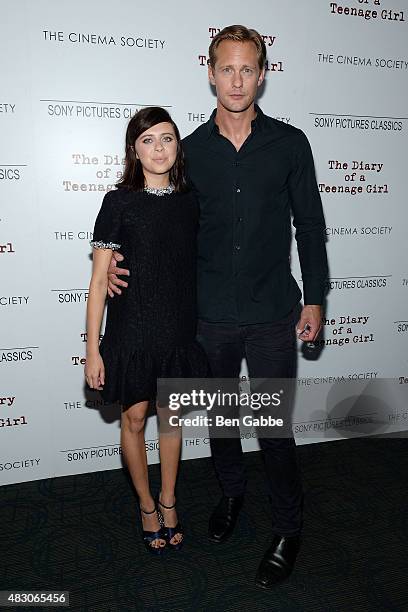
(167, 507)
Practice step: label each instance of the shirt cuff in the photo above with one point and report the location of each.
(314, 292)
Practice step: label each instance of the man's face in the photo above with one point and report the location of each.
(236, 75)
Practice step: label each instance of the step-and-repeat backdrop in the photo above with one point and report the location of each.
(72, 75)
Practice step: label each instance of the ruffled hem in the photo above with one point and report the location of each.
(131, 377)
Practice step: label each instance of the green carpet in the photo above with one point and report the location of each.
(81, 534)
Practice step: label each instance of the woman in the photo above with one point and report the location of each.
(150, 328)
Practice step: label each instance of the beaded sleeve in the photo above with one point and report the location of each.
(98, 244)
(107, 230)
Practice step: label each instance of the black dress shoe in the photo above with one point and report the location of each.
(278, 561)
(224, 517)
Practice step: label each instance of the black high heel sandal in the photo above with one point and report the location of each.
(150, 536)
(172, 531)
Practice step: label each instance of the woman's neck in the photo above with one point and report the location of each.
(157, 181)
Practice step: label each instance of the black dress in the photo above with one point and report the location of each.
(151, 327)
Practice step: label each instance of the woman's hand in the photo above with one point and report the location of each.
(95, 371)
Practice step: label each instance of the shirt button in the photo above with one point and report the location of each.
(238, 190)
(240, 219)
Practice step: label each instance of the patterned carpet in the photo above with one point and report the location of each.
(81, 534)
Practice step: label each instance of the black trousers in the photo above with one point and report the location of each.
(270, 352)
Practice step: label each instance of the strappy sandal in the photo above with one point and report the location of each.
(172, 531)
(150, 536)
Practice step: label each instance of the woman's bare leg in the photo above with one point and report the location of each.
(170, 448)
(134, 450)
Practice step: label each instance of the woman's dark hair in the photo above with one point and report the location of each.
(133, 177)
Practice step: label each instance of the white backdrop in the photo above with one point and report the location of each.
(72, 75)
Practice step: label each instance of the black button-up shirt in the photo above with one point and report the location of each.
(247, 198)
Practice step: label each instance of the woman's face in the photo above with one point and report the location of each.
(157, 150)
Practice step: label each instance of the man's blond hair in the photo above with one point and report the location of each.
(238, 33)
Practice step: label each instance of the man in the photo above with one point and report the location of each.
(250, 172)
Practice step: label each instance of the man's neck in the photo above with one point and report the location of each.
(235, 126)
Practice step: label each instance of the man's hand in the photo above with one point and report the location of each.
(113, 281)
(310, 323)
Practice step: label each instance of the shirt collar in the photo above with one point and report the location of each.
(255, 123)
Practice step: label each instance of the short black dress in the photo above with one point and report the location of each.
(151, 327)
